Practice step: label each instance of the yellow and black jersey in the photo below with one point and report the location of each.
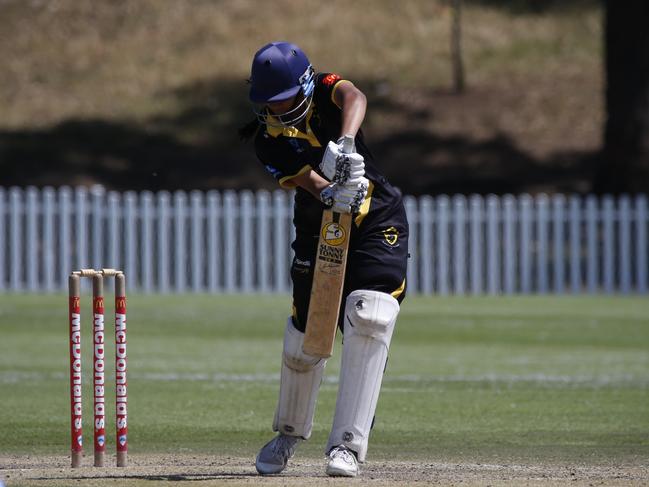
(378, 247)
(287, 152)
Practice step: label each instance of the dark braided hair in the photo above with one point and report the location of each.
(248, 131)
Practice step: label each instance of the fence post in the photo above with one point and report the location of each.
(32, 238)
(163, 218)
(49, 242)
(525, 203)
(624, 244)
(575, 244)
(65, 235)
(641, 243)
(15, 236)
(280, 250)
(114, 241)
(130, 238)
(57, 205)
(542, 244)
(180, 241)
(97, 226)
(459, 253)
(592, 244)
(81, 227)
(558, 242)
(263, 246)
(426, 244)
(510, 249)
(196, 236)
(443, 252)
(213, 240)
(608, 217)
(230, 242)
(477, 244)
(493, 244)
(247, 215)
(147, 247)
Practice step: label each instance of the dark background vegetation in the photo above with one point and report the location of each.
(148, 94)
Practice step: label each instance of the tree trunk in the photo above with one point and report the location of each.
(625, 161)
(456, 47)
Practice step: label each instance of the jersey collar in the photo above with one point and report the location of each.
(275, 131)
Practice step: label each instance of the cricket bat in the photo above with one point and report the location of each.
(328, 279)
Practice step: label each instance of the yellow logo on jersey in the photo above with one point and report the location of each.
(391, 236)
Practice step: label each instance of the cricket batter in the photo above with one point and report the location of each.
(302, 117)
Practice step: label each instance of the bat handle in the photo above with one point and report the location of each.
(348, 144)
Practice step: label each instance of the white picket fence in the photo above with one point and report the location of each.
(228, 242)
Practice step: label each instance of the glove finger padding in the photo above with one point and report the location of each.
(341, 168)
(328, 163)
(349, 198)
(361, 193)
(356, 169)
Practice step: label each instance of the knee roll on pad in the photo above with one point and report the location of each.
(372, 314)
(294, 357)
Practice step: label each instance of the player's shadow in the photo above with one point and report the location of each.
(180, 477)
(160, 477)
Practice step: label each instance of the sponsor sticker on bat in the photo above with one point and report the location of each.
(328, 253)
(333, 234)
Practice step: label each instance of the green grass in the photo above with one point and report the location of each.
(558, 380)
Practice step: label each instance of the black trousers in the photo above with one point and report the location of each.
(377, 261)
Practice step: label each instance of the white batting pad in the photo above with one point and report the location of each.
(299, 384)
(369, 322)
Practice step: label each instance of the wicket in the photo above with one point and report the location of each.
(99, 410)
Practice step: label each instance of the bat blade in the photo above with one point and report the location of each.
(327, 285)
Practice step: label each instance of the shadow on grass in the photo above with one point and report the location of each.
(197, 147)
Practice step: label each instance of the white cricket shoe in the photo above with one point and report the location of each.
(274, 455)
(342, 462)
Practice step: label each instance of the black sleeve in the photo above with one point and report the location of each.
(279, 160)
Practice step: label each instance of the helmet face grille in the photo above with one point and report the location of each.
(287, 119)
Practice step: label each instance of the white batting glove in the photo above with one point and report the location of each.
(347, 198)
(341, 168)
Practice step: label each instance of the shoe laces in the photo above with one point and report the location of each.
(343, 453)
(284, 445)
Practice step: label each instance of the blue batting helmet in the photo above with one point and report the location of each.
(279, 71)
